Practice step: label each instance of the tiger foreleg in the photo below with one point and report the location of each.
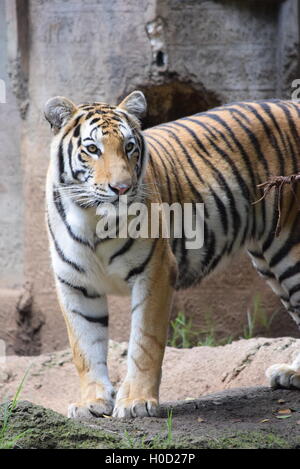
(87, 323)
(152, 293)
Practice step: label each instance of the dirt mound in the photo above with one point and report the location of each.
(187, 373)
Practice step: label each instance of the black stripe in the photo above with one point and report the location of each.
(136, 306)
(258, 255)
(194, 190)
(288, 245)
(89, 115)
(242, 150)
(198, 141)
(234, 108)
(268, 110)
(284, 298)
(225, 156)
(62, 213)
(236, 219)
(221, 209)
(172, 163)
(168, 156)
(140, 269)
(293, 290)
(222, 135)
(152, 164)
(184, 261)
(70, 152)
(293, 131)
(210, 250)
(165, 127)
(166, 172)
(102, 320)
(247, 161)
(122, 250)
(255, 143)
(266, 273)
(142, 155)
(77, 130)
(270, 135)
(61, 254)
(215, 261)
(290, 272)
(86, 107)
(271, 235)
(75, 124)
(61, 164)
(60, 149)
(93, 121)
(81, 289)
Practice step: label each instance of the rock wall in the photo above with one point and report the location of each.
(209, 51)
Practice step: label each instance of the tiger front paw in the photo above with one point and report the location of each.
(90, 410)
(283, 376)
(131, 408)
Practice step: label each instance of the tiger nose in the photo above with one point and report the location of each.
(120, 188)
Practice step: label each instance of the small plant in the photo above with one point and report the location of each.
(207, 338)
(210, 340)
(129, 442)
(249, 328)
(158, 442)
(182, 332)
(257, 318)
(169, 427)
(5, 442)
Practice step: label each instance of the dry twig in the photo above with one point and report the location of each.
(278, 182)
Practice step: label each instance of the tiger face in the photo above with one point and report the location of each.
(99, 149)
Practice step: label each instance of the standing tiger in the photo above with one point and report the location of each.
(219, 158)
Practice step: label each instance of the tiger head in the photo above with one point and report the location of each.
(98, 150)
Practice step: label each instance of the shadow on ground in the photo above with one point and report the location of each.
(240, 418)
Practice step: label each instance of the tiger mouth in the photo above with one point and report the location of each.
(97, 200)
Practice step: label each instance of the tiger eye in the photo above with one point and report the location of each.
(92, 148)
(129, 147)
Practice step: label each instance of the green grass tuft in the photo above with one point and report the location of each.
(9, 406)
(257, 318)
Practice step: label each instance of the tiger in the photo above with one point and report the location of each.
(219, 158)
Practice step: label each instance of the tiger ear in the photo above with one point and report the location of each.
(135, 103)
(58, 111)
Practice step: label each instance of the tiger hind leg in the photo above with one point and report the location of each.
(284, 279)
(284, 375)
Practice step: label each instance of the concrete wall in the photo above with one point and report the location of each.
(11, 200)
(100, 50)
(11, 204)
(229, 46)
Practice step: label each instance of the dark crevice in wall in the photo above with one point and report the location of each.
(29, 325)
(174, 99)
